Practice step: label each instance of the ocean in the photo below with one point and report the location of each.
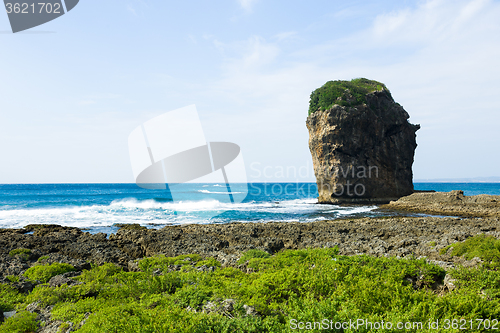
(98, 207)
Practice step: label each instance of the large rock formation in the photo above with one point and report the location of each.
(361, 142)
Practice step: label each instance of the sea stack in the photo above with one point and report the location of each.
(361, 142)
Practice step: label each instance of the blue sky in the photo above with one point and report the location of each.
(73, 89)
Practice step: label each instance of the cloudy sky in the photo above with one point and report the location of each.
(73, 89)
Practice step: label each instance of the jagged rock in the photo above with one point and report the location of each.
(443, 264)
(273, 245)
(12, 266)
(474, 262)
(205, 268)
(43, 313)
(9, 314)
(250, 310)
(228, 305)
(52, 327)
(224, 307)
(59, 280)
(388, 236)
(23, 285)
(210, 307)
(361, 142)
(449, 282)
(133, 266)
(34, 307)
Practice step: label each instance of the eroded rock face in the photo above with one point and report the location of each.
(363, 153)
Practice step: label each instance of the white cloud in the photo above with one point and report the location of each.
(93, 99)
(86, 102)
(248, 55)
(131, 10)
(138, 7)
(247, 5)
(436, 21)
(286, 36)
(192, 39)
(257, 53)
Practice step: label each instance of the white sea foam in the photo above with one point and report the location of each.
(151, 211)
(212, 192)
(184, 206)
(356, 210)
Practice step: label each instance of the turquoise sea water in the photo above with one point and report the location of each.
(99, 206)
(468, 188)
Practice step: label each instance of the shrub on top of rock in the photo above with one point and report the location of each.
(43, 273)
(485, 247)
(343, 93)
(251, 254)
(162, 262)
(22, 253)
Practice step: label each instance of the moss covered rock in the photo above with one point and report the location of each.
(344, 93)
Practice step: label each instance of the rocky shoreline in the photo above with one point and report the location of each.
(393, 236)
(386, 236)
(453, 203)
(475, 214)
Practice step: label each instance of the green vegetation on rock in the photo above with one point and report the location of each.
(253, 254)
(21, 252)
(42, 259)
(343, 93)
(64, 327)
(306, 285)
(43, 273)
(22, 322)
(9, 297)
(162, 262)
(482, 246)
(12, 278)
(209, 262)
